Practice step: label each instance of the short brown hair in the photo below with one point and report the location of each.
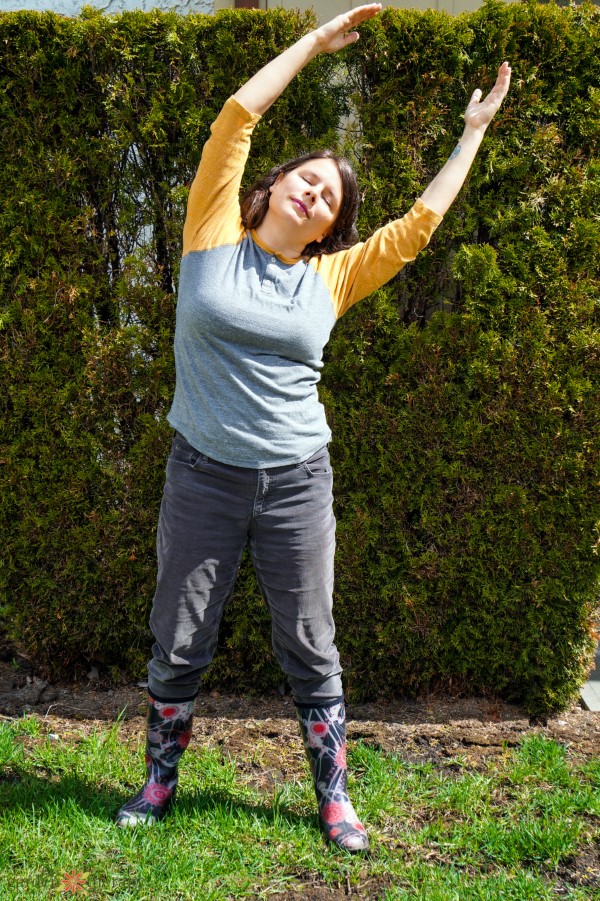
(255, 202)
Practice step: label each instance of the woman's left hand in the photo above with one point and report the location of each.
(480, 113)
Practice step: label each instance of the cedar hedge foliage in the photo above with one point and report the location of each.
(463, 396)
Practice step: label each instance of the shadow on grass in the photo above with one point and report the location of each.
(27, 792)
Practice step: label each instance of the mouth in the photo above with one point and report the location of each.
(300, 205)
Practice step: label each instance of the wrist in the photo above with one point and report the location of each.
(313, 43)
(473, 134)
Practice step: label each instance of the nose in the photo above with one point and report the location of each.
(310, 194)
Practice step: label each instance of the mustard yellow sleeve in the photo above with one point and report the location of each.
(213, 211)
(355, 273)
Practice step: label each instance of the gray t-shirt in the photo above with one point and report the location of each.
(252, 324)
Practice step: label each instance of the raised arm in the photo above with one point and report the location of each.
(264, 88)
(440, 193)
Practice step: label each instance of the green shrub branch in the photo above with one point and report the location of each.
(463, 396)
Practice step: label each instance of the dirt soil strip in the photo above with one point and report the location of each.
(433, 729)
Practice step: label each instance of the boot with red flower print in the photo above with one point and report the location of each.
(169, 729)
(323, 730)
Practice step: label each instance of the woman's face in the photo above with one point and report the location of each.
(307, 199)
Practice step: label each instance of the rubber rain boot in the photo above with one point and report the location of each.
(323, 730)
(169, 729)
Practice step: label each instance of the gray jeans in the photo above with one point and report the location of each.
(210, 511)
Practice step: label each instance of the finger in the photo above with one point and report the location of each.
(501, 92)
(503, 79)
(367, 9)
(498, 92)
(504, 74)
(362, 13)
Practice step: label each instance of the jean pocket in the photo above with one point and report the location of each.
(183, 453)
(319, 464)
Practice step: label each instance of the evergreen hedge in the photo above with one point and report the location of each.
(463, 396)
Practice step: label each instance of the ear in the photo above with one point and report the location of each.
(279, 177)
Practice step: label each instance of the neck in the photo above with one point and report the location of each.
(276, 239)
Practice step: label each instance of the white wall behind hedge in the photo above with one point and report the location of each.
(73, 7)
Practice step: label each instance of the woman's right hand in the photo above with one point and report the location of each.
(337, 34)
(264, 88)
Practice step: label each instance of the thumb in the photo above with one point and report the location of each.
(475, 96)
(351, 38)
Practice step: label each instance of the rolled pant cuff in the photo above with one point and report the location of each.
(171, 698)
(318, 703)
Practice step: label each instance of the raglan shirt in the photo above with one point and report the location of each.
(251, 324)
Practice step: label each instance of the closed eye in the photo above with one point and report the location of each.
(309, 181)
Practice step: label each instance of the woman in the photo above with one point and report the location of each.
(261, 287)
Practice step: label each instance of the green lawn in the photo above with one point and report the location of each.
(525, 826)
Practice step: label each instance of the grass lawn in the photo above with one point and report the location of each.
(523, 826)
